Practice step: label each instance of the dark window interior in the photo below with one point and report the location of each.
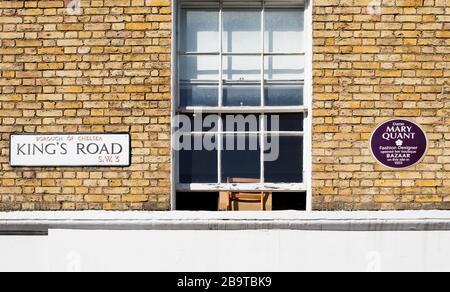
(241, 163)
(286, 122)
(197, 201)
(288, 168)
(289, 201)
(210, 201)
(198, 166)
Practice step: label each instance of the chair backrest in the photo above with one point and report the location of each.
(245, 201)
(243, 180)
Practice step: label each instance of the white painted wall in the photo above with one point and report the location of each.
(250, 250)
(23, 253)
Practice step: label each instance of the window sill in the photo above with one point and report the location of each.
(243, 187)
(244, 109)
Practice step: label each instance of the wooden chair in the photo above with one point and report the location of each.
(245, 201)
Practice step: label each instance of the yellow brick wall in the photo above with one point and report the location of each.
(106, 70)
(370, 67)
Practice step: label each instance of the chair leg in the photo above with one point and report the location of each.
(262, 201)
(231, 201)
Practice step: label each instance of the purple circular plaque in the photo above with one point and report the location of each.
(399, 144)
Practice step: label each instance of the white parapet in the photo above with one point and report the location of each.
(41, 222)
(236, 242)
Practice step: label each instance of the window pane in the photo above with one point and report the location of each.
(284, 95)
(284, 31)
(286, 122)
(241, 95)
(204, 122)
(241, 157)
(242, 31)
(242, 68)
(198, 166)
(284, 67)
(199, 68)
(287, 166)
(199, 95)
(241, 123)
(199, 31)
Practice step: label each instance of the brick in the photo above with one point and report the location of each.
(428, 199)
(408, 113)
(430, 73)
(443, 34)
(117, 3)
(96, 198)
(138, 26)
(428, 183)
(50, 19)
(95, 121)
(8, 20)
(70, 26)
(135, 198)
(70, 89)
(138, 10)
(159, 3)
(11, 4)
(385, 199)
(96, 11)
(28, 43)
(11, 35)
(50, 66)
(50, 4)
(409, 3)
(70, 43)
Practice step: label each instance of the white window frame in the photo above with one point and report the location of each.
(306, 109)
